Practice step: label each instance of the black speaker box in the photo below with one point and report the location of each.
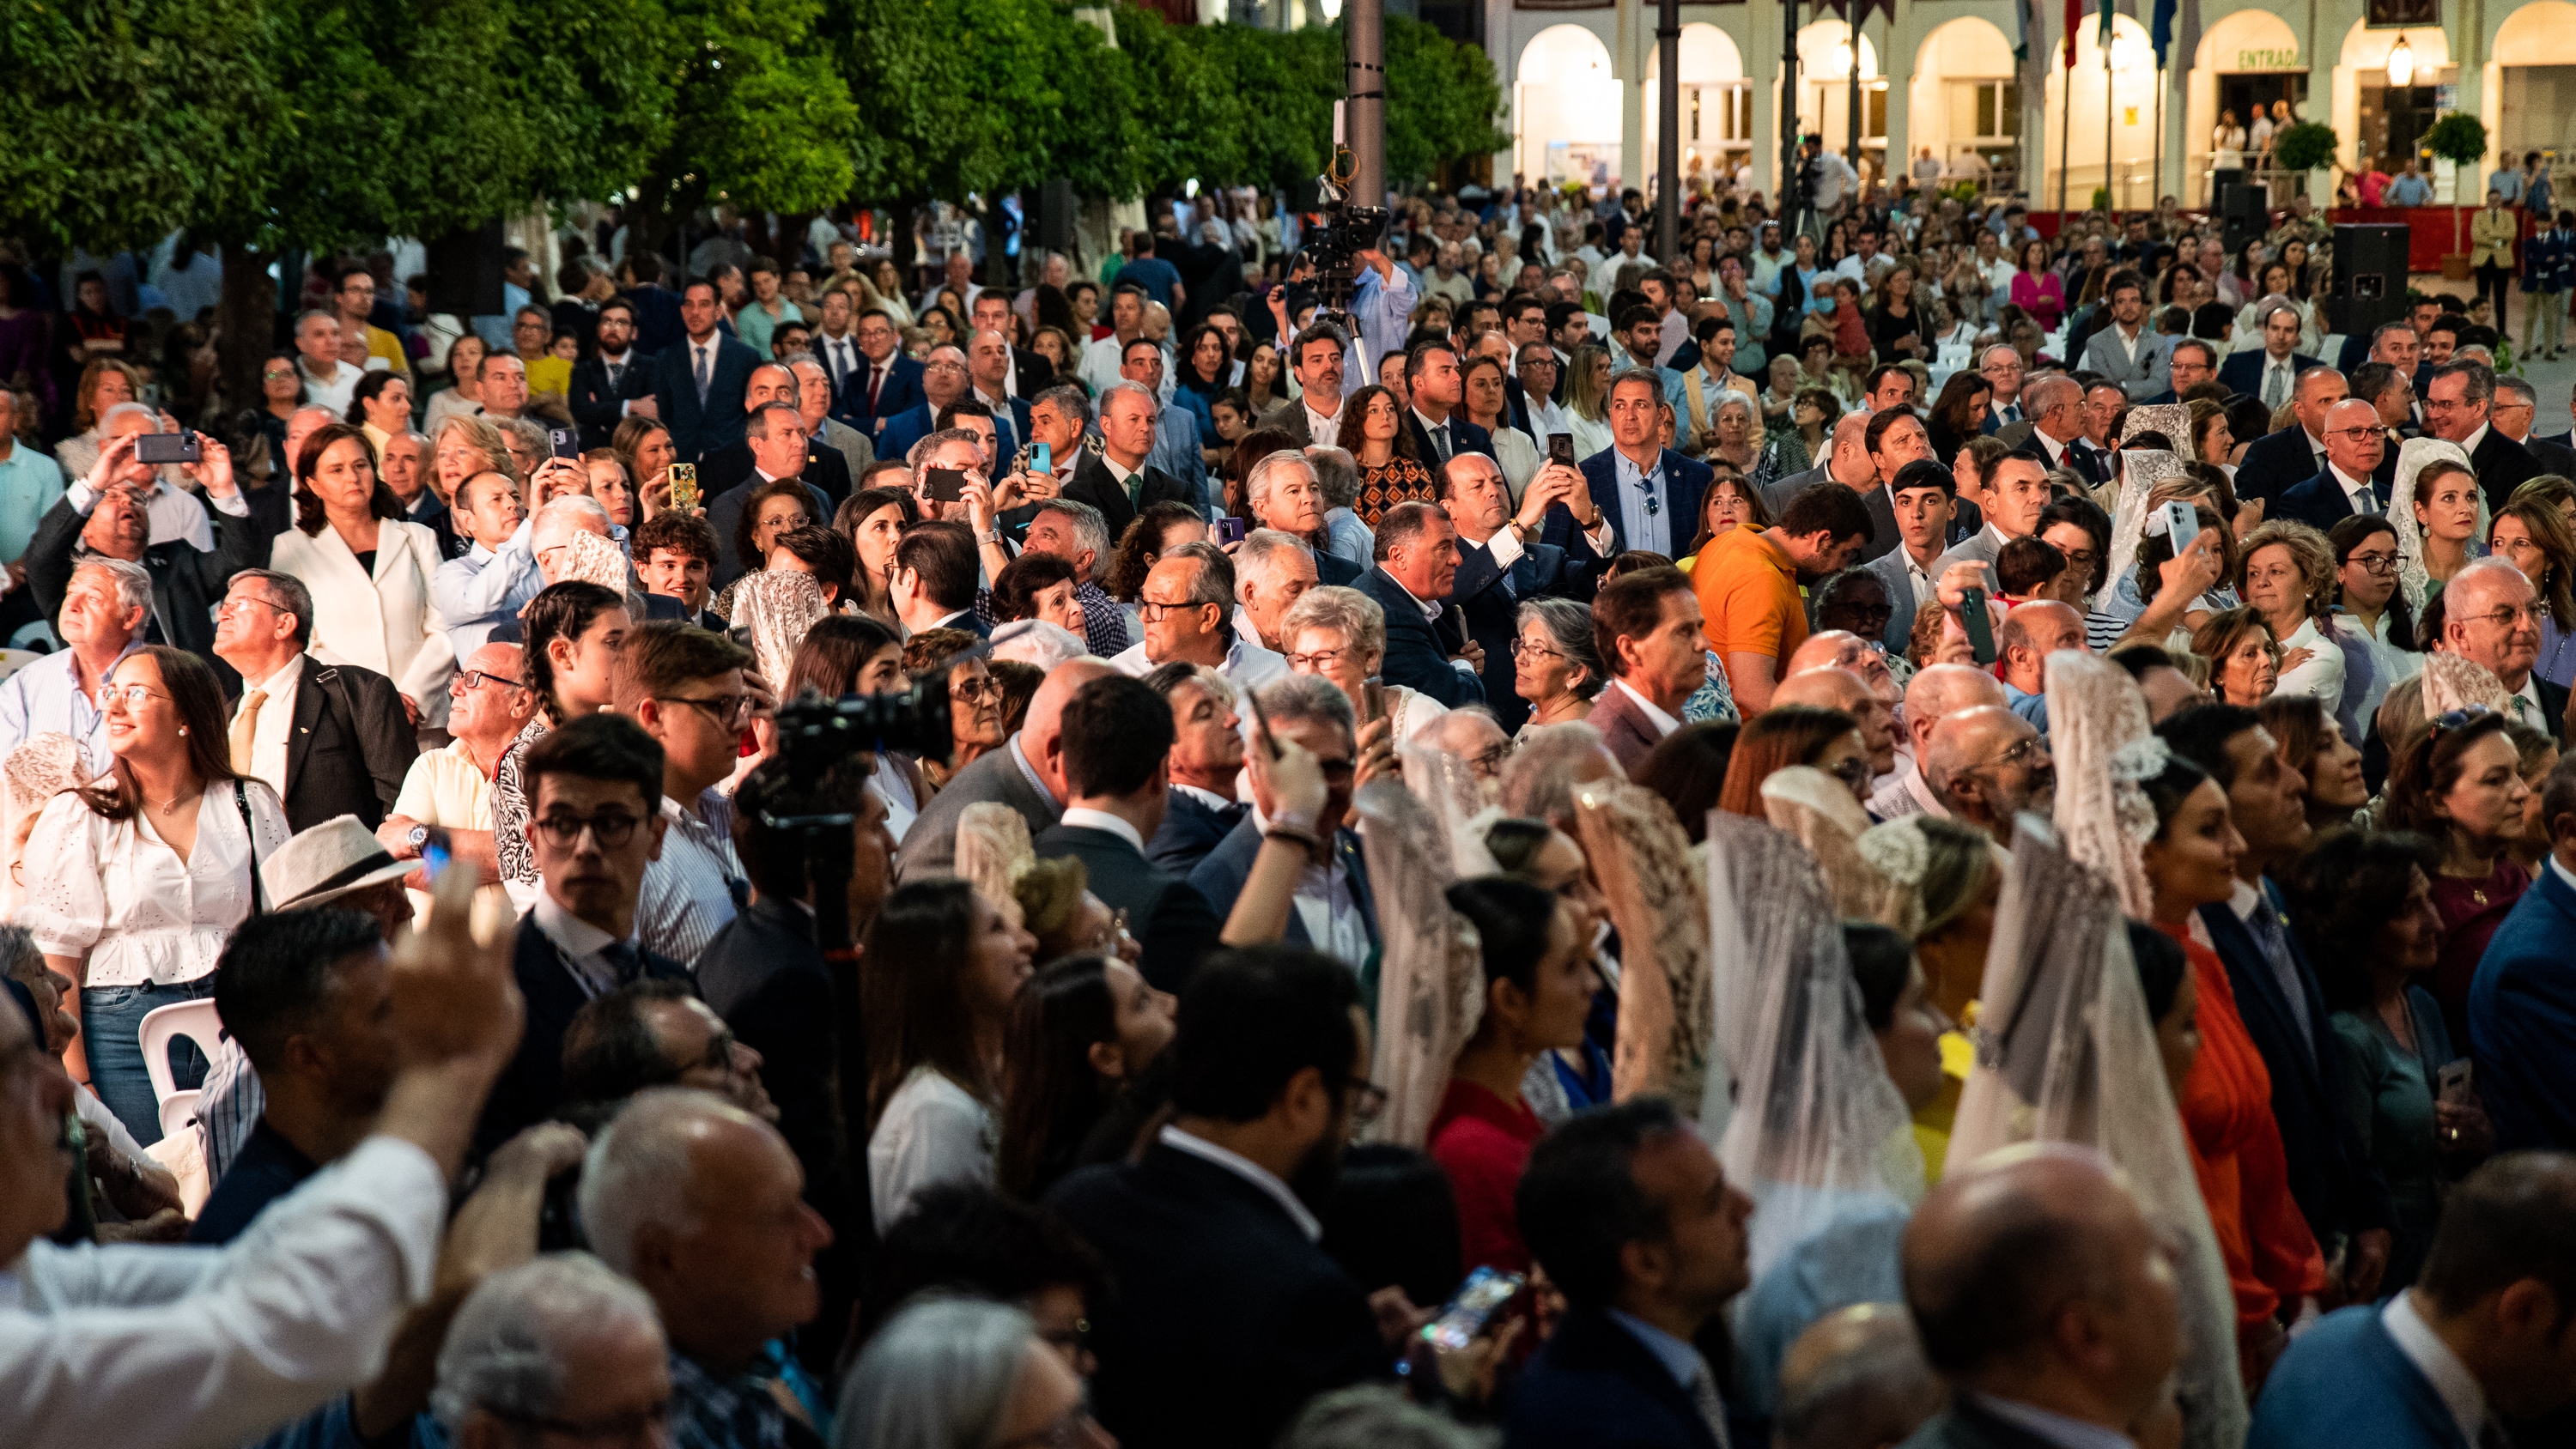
(2369, 287)
(2243, 213)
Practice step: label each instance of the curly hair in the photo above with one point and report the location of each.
(2309, 553)
(1142, 545)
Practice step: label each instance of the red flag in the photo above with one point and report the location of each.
(2074, 17)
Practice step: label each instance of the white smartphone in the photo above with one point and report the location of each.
(2182, 525)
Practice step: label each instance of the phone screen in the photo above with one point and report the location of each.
(1560, 448)
(1478, 1300)
(943, 485)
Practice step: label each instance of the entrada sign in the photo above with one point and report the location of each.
(2268, 59)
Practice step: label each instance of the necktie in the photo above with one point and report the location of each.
(245, 725)
(876, 379)
(624, 959)
(616, 371)
(840, 364)
(2521, 707)
(1440, 441)
(2276, 385)
(1703, 1392)
(2012, 412)
(704, 380)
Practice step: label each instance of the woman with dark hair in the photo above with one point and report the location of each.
(2530, 534)
(855, 654)
(819, 552)
(1538, 992)
(1793, 734)
(773, 508)
(1391, 472)
(1159, 529)
(2363, 906)
(974, 698)
(2272, 1258)
(135, 883)
(1727, 504)
(874, 519)
(2459, 783)
(281, 394)
(1038, 586)
(1959, 412)
(572, 632)
(1688, 771)
(1082, 1031)
(2081, 531)
(643, 447)
(2311, 743)
(2372, 607)
(2244, 659)
(369, 570)
(935, 988)
(2536, 755)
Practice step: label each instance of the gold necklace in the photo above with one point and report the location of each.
(171, 806)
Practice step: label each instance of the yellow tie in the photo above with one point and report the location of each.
(245, 725)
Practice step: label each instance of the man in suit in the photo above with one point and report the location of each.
(1633, 1218)
(1316, 360)
(932, 582)
(774, 446)
(1206, 759)
(2056, 406)
(1923, 495)
(2348, 484)
(2516, 404)
(2522, 1003)
(738, 464)
(614, 383)
(1028, 373)
(2495, 622)
(2016, 494)
(1117, 733)
(109, 514)
(835, 347)
(1189, 603)
(1116, 480)
(1027, 774)
(1284, 494)
(1229, 1316)
(887, 383)
(699, 385)
(1650, 494)
(2272, 373)
(944, 381)
(814, 399)
(1438, 422)
(330, 739)
(1847, 461)
(2002, 368)
(988, 372)
(2478, 1343)
(1417, 563)
(1644, 623)
(2189, 362)
(2458, 405)
(2126, 353)
(1497, 571)
(2286, 457)
(2342, 1195)
(2045, 1297)
(594, 781)
(1300, 807)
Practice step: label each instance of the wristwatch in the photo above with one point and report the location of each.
(424, 836)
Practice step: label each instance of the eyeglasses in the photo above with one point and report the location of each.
(1854, 773)
(2377, 563)
(612, 830)
(646, 1425)
(1490, 761)
(2510, 615)
(2013, 754)
(132, 694)
(475, 679)
(1521, 649)
(236, 603)
(2356, 436)
(1324, 661)
(977, 691)
(276, 374)
(732, 711)
(1154, 613)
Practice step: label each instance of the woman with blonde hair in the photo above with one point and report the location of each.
(1340, 634)
(643, 447)
(1587, 399)
(104, 383)
(2286, 571)
(463, 395)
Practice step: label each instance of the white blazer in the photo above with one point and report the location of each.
(385, 623)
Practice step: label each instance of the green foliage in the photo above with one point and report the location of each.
(760, 115)
(2458, 138)
(1442, 101)
(2305, 146)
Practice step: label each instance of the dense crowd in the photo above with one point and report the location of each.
(1907, 832)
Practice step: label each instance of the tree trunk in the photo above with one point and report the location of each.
(906, 254)
(997, 264)
(246, 326)
(789, 240)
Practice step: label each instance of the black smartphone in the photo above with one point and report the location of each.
(180, 447)
(1980, 627)
(566, 441)
(1229, 530)
(1560, 448)
(943, 485)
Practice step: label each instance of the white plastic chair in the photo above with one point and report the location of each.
(195, 1020)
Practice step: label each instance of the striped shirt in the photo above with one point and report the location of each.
(687, 894)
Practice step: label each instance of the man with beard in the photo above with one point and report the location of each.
(1986, 765)
(1229, 1316)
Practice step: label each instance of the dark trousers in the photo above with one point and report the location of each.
(2493, 282)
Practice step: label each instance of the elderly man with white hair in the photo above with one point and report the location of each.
(702, 1205)
(1933, 695)
(1075, 532)
(110, 514)
(556, 1347)
(175, 512)
(1286, 495)
(101, 622)
(1272, 570)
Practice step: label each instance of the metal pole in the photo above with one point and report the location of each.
(1365, 85)
(1788, 118)
(1851, 19)
(1668, 119)
(2110, 103)
(2156, 193)
(2065, 131)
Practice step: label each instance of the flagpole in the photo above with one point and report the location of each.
(2110, 103)
(2155, 193)
(2065, 129)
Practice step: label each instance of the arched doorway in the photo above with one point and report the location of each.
(1565, 109)
(1964, 103)
(1716, 106)
(2535, 51)
(2249, 59)
(2382, 121)
(1825, 60)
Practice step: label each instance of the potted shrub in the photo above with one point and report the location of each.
(2460, 139)
(2310, 147)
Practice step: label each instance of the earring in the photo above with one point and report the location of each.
(183, 729)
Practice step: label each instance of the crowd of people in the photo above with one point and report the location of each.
(1455, 869)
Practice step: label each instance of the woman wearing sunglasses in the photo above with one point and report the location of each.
(134, 884)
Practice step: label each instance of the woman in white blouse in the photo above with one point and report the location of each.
(134, 884)
(941, 969)
(2287, 572)
(369, 572)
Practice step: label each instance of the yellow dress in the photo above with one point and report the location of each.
(1932, 1123)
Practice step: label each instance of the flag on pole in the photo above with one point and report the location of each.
(2161, 32)
(2074, 19)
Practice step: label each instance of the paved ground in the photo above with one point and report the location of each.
(2553, 380)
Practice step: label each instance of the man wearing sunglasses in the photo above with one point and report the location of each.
(593, 829)
(686, 687)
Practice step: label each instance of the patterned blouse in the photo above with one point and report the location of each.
(1398, 480)
(510, 809)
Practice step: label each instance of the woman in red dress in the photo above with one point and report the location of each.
(2272, 1258)
(2459, 783)
(1538, 989)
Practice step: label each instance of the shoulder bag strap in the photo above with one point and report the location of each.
(250, 834)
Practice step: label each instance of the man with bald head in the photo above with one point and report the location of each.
(1857, 1379)
(2281, 460)
(1985, 765)
(1831, 688)
(2031, 633)
(1849, 462)
(2346, 487)
(1935, 694)
(2047, 1300)
(1027, 774)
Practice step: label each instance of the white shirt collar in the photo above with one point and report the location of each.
(281, 678)
(1429, 611)
(1664, 724)
(2469, 444)
(1122, 474)
(578, 938)
(2433, 1358)
(2566, 877)
(2346, 482)
(1209, 798)
(1082, 817)
(1251, 1172)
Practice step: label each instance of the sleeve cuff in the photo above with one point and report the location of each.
(230, 505)
(79, 496)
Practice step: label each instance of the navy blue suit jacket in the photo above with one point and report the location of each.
(597, 404)
(1220, 878)
(2243, 371)
(2275, 463)
(2319, 501)
(2522, 1020)
(897, 432)
(2346, 1383)
(1464, 437)
(900, 392)
(531, 1087)
(1191, 828)
(1685, 479)
(699, 429)
(1171, 920)
(1595, 1385)
(1493, 611)
(1417, 653)
(1332, 568)
(2331, 1175)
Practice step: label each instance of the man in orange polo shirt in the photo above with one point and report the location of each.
(1748, 585)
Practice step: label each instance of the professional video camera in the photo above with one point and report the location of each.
(1336, 233)
(815, 734)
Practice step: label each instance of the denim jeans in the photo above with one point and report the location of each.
(111, 1033)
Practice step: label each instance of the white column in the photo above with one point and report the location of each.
(1628, 64)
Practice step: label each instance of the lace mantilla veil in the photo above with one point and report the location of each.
(1820, 811)
(1418, 836)
(2412, 457)
(778, 606)
(2065, 1049)
(1659, 904)
(2143, 469)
